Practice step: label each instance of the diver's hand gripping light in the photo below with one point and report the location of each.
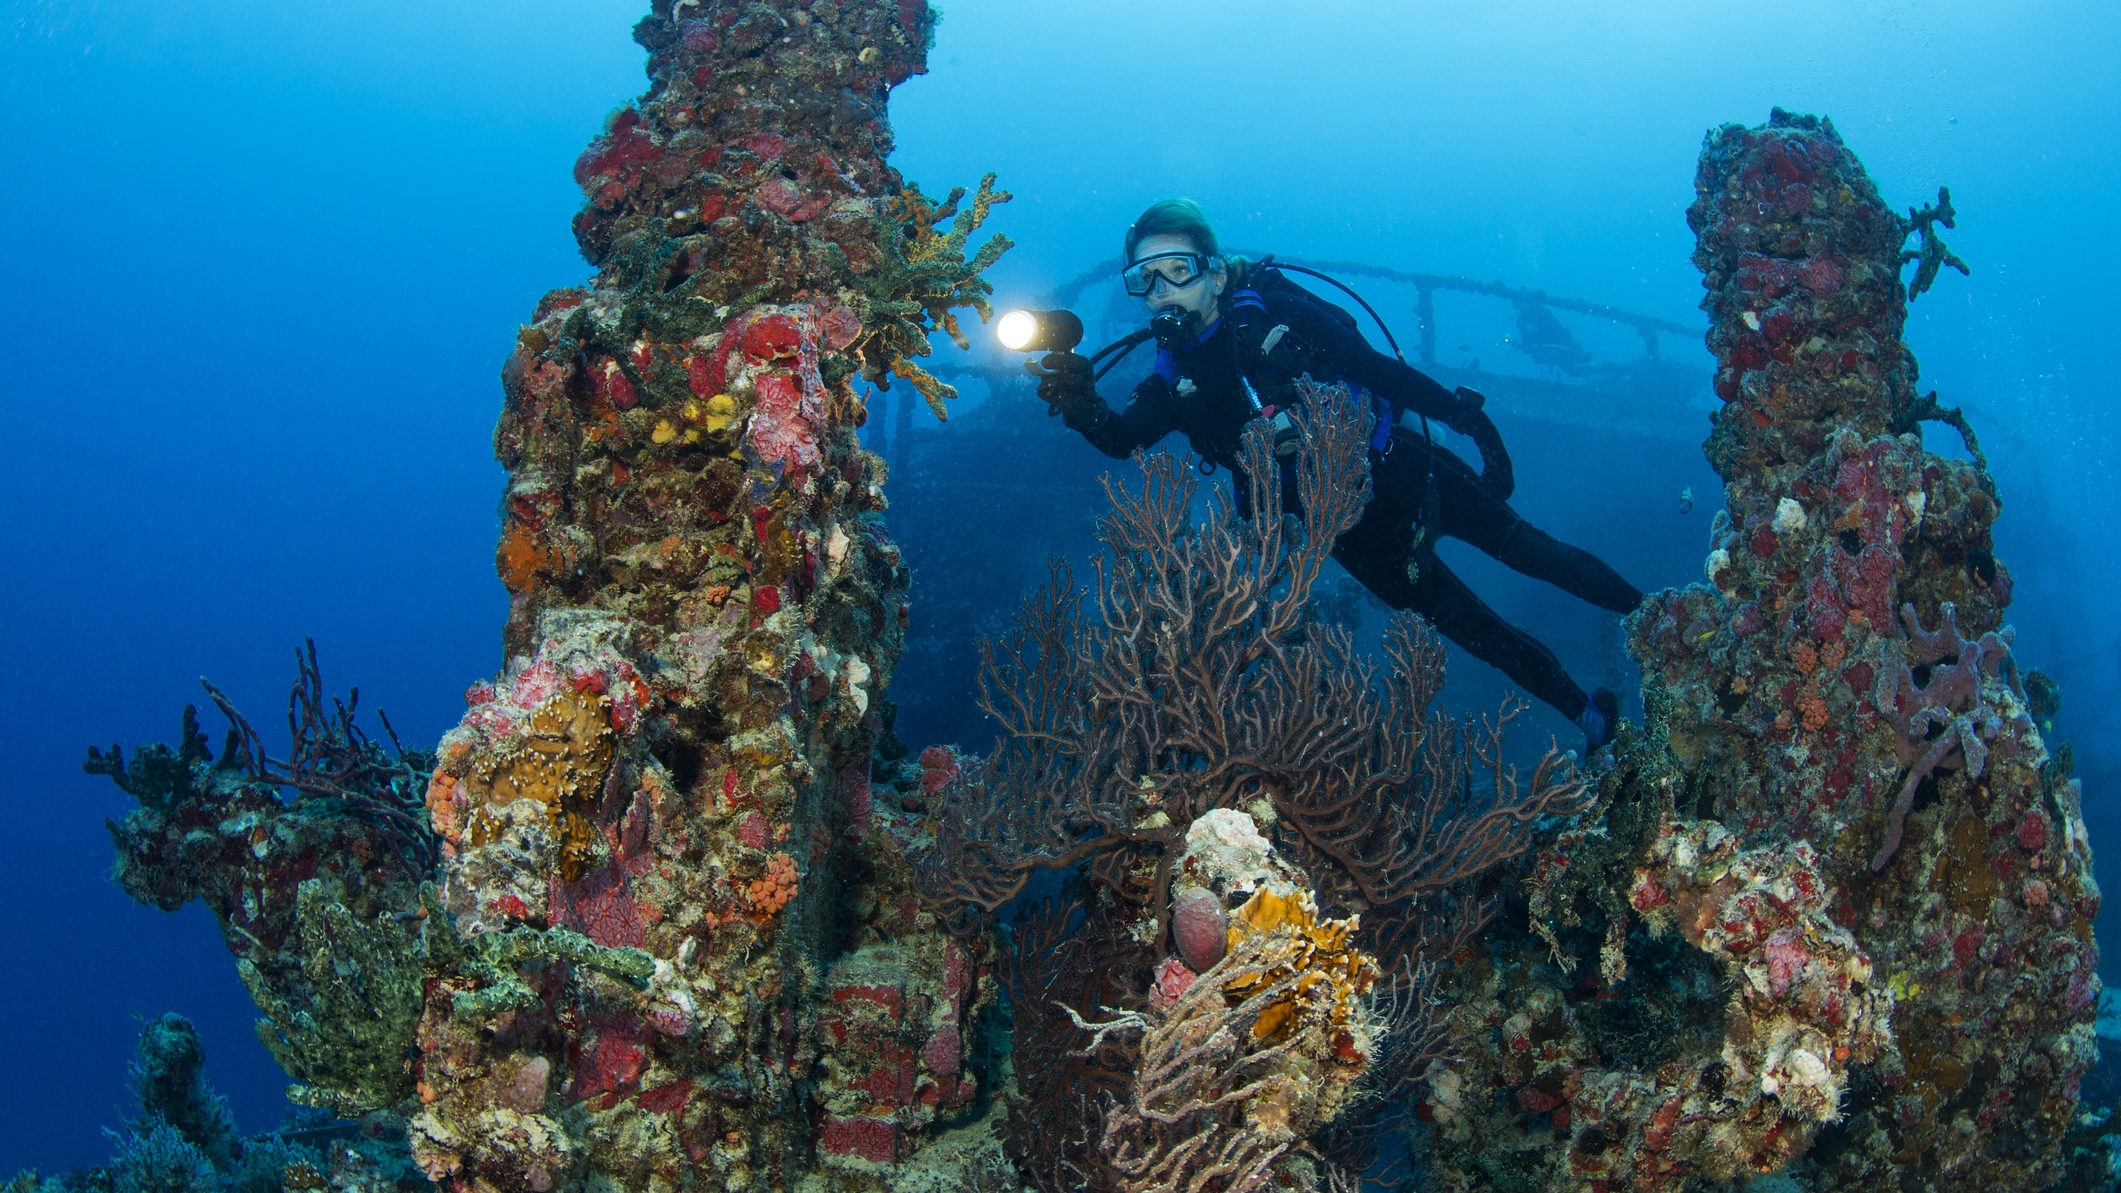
(1039, 331)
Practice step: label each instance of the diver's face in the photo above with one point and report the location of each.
(1197, 297)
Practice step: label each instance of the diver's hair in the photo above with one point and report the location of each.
(1183, 217)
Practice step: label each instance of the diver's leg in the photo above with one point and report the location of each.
(1459, 615)
(1471, 513)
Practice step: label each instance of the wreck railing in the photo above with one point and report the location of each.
(999, 373)
(1425, 287)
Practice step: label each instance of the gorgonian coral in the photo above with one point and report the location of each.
(1201, 683)
(1149, 741)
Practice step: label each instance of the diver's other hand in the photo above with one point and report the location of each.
(1467, 408)
(1066, 384)
(1497, 475)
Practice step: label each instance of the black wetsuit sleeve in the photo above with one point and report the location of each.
(1151, 414)
(1342, 351)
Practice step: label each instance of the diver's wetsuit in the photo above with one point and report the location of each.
(1323, 342)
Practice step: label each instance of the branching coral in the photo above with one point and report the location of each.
(1933, 256)
(1229, 1079)
(1412, 1027)
(923, 280)
(1200, 684)
(332, 757)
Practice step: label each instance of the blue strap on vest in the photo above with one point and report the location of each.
(1381, 434)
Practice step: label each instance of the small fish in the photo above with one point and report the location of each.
(1686, 500)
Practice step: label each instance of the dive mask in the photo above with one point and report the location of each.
(1175, 270)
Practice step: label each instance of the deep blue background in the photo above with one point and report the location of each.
(259, 264)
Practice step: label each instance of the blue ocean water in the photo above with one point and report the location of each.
(259, 265)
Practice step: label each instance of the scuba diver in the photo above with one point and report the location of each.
(1233, 336)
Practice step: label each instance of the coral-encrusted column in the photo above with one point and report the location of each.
(1835, 907)
(649, 813)
(1845, 679)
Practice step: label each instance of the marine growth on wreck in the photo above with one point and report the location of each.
(1831, 915)
(1232, 903)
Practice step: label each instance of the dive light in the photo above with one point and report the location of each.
(1039, 331)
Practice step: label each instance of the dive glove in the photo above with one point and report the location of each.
(1066, 385)
(1497, 476)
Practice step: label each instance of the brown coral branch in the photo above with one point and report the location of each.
(1055, 970)
(1434, 832)
(330, 756)
(1417, 1032)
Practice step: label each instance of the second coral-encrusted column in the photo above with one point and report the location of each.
(649, 812)
(1845, 893)
(1846, 679)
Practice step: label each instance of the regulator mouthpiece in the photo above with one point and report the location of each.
(1039, 331)
(1171, 325)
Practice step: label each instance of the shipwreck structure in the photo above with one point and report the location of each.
(672, 908)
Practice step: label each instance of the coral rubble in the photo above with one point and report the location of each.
(1833, 915)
